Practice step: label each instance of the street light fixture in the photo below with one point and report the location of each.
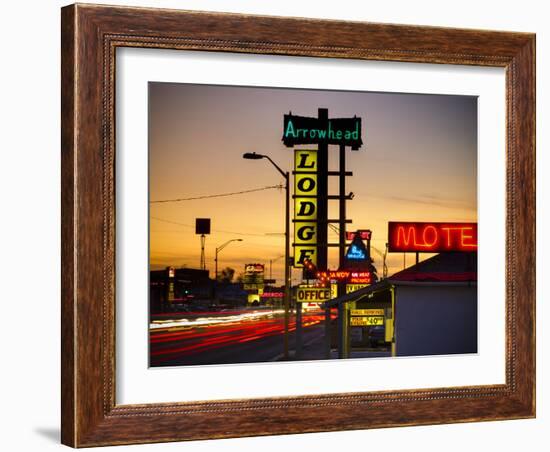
(285, 174)
(218, 249)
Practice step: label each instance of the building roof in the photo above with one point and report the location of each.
(444, 267)
(455, 268)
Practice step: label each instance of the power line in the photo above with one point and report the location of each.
(219, 195)
(249, 234)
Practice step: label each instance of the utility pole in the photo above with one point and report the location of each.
(286, 175)
(203, 259)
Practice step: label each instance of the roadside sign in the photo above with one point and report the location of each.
(358, 312)
(313, 294)
(366, 321)
(308, 130)
(253, 278)
(365, 234)
(353, 287)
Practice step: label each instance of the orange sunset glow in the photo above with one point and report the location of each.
(418, 163)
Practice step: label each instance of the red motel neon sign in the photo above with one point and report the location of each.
(431, 237)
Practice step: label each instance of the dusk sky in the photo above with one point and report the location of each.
(418, 162)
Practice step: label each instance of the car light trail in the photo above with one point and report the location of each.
(212, 320)
(177, 339)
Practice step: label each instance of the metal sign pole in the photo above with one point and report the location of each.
(298, 354)
(322, 196)
(328, 338)
(342, 202)
(287, 265)
(344, 323)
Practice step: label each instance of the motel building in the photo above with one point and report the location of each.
(427, 309)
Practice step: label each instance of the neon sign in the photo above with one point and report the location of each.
(349, 276)
(272, 295)
(305, 207)
(431, 237)
(308, 130)
(356, 253)
(364, 234)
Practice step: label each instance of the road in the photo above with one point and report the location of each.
(229, 337)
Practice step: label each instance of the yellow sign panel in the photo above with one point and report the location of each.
(305, 160)
(171, 295)
(305, 233)
(389, 330)
(305, 209)
(312, 294)
(334, 290)
(353, 287)
(302, 252)
(305, 184)
(367, 312)
(366, 321)
(305, 206)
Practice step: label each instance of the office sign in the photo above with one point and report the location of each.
(305, 207)
(431, 237)
(308, 130)
(313, 294)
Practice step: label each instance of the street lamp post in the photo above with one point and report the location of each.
(285, 174)
(218, 249)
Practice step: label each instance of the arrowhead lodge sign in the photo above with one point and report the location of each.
(306, 130)
(311, 181)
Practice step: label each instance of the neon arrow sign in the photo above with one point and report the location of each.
(356, 253)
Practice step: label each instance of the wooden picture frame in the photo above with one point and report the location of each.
(90, 36)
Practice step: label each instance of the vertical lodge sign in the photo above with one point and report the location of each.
(311, 175)
(305, 206)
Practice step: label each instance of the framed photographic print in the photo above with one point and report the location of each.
(267, 231)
